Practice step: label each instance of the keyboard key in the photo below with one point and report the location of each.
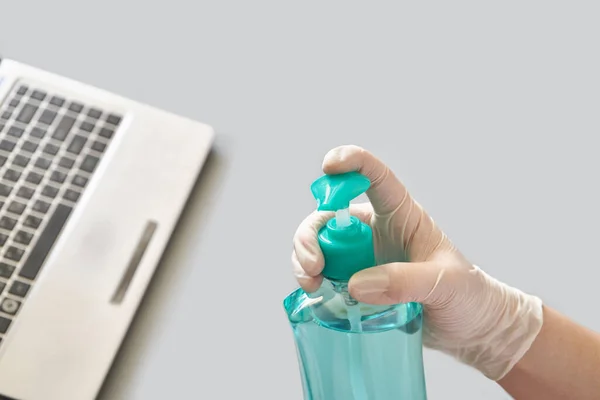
(71, 195)
(66, 162)
(17, 207)
(5, 190)
(89, 163)
(38, 95)
(34, 178)
(94, 113)
(38, 133)
(38, 255)
(19, 289)
(58, 176)
(22, 90)
(2, 286)
(29, 146)
(10, 306)
(3, 239)
(4, 324)
(23, 238)
(48, 117)
(106, 133)
(6, 115)
(43, 163)
(79, 180)
(15, 131)
(41, 206)
(12, 175)
(98, 146)
(3, 160)
(14, 254)
(113, 119)
(63, 128)
(50, 191)
(27, 113)
(51, 149)
(57, 101)
(21, 160)
(76, 107)
(77, 144)
(7, 145)
(6, 270)
(87, 126)
(32, 222)
(7, 223)
(25, 192)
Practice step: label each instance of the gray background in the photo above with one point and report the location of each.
(488, 112)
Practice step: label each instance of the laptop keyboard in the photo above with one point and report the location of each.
(50, 146)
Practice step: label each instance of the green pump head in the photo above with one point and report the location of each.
(346, 242)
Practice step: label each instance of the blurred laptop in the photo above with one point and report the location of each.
(91, 187)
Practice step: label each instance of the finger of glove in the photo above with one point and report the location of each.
(413, 227)
(386, 192)
(306, 245)
(308, 283)
(398, 283)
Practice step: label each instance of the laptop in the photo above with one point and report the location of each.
(91, 187)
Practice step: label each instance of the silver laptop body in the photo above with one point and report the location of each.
(91, 187)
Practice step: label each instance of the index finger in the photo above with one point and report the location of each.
(386, 193)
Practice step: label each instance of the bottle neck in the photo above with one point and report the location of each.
(341, 288)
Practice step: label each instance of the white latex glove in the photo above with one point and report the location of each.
(468, 314)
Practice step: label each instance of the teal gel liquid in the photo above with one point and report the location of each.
(357, 352)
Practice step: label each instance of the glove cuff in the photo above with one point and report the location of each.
(515, 320)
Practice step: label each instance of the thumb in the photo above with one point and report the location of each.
(397, 283)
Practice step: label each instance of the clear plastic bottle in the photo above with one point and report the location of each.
(349, 350)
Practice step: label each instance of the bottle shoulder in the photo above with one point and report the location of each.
(333, 308)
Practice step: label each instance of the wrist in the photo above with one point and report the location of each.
(517, 321)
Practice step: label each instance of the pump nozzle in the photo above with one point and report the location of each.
(346, 242)
(335, 192)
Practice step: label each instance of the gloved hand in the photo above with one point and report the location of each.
(468, 314)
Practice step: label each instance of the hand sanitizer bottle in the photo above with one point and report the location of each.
(348, 350)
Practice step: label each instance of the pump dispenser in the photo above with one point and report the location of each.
(348, 350)
(346, 242)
